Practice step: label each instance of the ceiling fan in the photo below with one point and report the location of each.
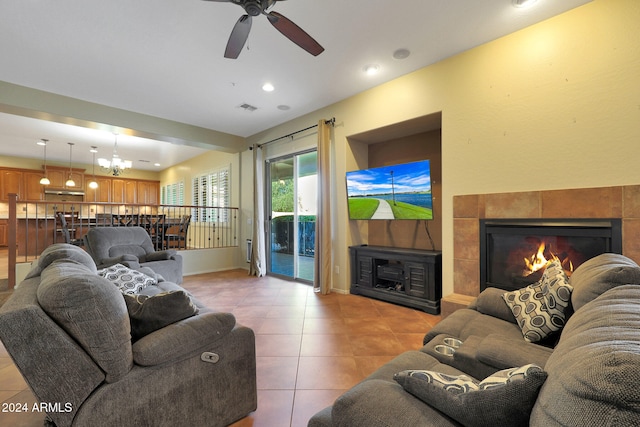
(240, 31)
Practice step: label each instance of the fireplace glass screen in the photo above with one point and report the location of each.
(513, 253)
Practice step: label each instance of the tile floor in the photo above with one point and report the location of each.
(310, 348)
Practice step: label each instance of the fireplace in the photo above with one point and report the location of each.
(513, 252)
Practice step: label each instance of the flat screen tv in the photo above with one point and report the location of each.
(401, 191)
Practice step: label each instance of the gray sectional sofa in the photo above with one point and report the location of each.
(592, 366)
(69, 331)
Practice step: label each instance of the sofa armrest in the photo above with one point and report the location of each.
(490, 302)
(161, 255)
(503, 353)
(182, 339)
(377, 402)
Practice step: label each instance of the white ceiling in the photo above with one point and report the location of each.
(164, 58)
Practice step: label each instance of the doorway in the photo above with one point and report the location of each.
(292, 187)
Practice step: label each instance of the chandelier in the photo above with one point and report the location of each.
(116, 165)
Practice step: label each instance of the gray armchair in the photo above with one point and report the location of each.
(68, 331)
(132, 246)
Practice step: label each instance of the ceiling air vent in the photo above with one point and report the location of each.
(247, 107)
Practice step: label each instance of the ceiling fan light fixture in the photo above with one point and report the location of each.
(253, 8)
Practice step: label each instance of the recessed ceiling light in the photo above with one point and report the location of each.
(371, 69)
(401, 53)
(523, 3)
(284, 107)
(156, 164)
(268, 87)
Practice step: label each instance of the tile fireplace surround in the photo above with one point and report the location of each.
(606, 202)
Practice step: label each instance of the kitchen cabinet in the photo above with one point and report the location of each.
(4, 241)
(124, 191)
(26, 184)
(102, 194)
(148, 192)
(11, 181)
(59, 176)
(32, 189)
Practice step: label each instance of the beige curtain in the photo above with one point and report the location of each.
(258, 265)
(323, 244)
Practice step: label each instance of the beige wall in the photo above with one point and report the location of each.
(553, 106)
(200, 165)
(218, 259)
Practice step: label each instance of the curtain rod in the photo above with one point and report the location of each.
(331, 121)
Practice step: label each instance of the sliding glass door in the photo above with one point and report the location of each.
(291, 210)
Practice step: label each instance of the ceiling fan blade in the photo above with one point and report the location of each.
(295, 33)
(238, 37)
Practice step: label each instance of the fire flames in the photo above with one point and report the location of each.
(538, 261)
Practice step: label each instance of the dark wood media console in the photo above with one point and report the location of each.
(409, 277)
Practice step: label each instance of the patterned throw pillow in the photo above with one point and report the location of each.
(507, 396)
(541, 308)
(455, 384)
(129, 281)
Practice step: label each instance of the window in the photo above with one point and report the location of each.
(173, 194)
(213, 191)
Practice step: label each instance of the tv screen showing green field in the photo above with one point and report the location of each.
(400, 191)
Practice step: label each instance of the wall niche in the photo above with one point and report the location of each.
(413, 140)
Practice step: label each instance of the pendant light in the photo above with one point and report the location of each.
(93, 184)
(44, 180)
(70, 182)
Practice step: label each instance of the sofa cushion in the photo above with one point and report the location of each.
(490, 302)
(541, 308)
(61, 251)
(148, 314)
(593, 371)
(127, 280)
(507, 396)
(465, 323)
(91, 310)
(599, 274)
(503, 352)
